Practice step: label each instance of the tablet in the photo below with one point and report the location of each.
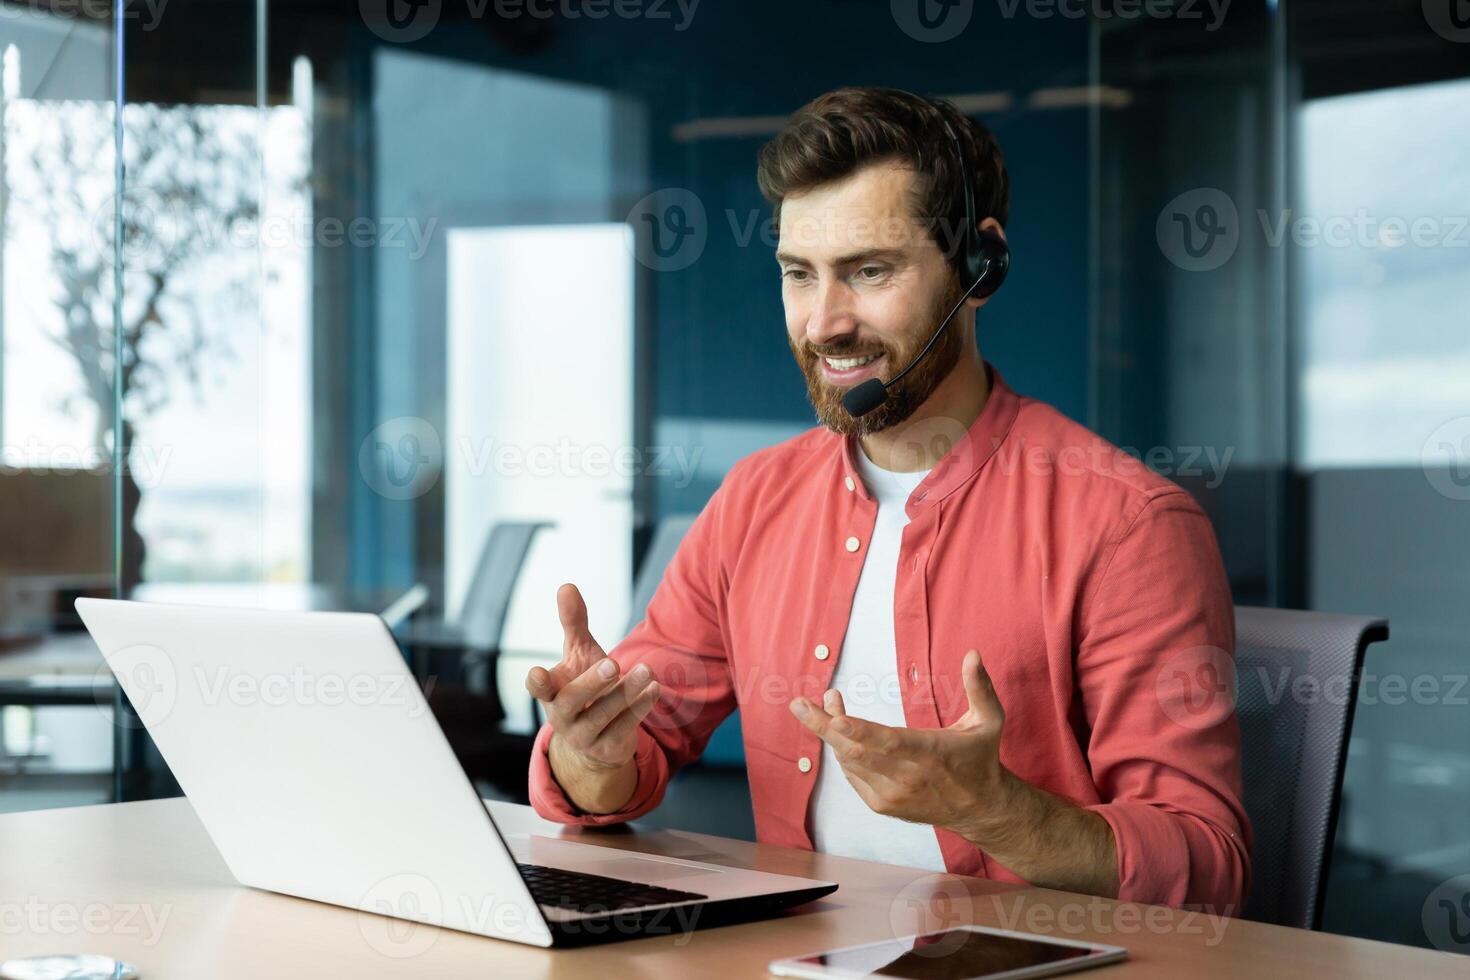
(961, 953)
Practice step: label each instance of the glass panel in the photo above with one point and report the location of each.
(1189, 305)
(219, 316)
(58, 195)
(215, 372)
(1280, 259)
(1385, 254)
(1384, 259)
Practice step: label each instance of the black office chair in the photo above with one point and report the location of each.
(661, 549)
(1294, 748)
(456, 661)
(466, 647)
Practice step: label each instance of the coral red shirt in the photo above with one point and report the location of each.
(1092, 587)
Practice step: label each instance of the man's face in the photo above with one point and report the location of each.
(864, 286)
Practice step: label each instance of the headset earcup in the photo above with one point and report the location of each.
(989, 260)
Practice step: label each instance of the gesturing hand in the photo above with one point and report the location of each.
(949, 777)
(593, 713)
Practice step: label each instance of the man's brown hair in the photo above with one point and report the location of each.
(842, 131)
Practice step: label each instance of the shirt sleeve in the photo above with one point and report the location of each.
(682, 640)
(1156, 669)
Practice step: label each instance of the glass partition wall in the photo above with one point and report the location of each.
(61, 355)
(154, 371)
(1381, 416)
(214, 378)
(1279, 270)
(1190, 357)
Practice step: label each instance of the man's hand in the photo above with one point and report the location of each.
(950, 777)
(594, 714)
(953, 778)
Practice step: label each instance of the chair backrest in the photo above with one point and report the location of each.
(724, 747)
(481, 618)
(666, 538)
(1296, 676)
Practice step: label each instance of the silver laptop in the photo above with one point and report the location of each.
(312, 759)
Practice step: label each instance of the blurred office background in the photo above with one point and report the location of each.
(425, 306)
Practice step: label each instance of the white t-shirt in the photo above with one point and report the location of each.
(867, 676)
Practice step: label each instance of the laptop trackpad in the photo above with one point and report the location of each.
(651, 872)
(606, 861)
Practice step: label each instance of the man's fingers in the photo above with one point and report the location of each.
(880, 739)
(556, 677)
(614, 702)
(587, 687)
(577, 643)
(863, 788)
(623, 725)
(981, 693)
(571, 609)
(542, 683)
(854, 741)
(832, 701)
(814, 718)
(545, 683)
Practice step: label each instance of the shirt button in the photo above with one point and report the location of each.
(822, 652)
(804, 764)
(853, 544)
(913, 674)
(850, 484)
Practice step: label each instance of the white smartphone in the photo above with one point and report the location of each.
(961, 953)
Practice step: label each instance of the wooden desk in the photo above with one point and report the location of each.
(142, 882)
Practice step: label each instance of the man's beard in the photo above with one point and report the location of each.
(901, 400)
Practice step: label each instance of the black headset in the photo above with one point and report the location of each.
(983, 262)
(984, 257)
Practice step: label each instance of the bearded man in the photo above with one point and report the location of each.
(963, 631)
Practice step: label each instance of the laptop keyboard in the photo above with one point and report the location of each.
(580, 892)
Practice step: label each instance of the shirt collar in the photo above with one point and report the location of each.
(885, 486)
(971, 449)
